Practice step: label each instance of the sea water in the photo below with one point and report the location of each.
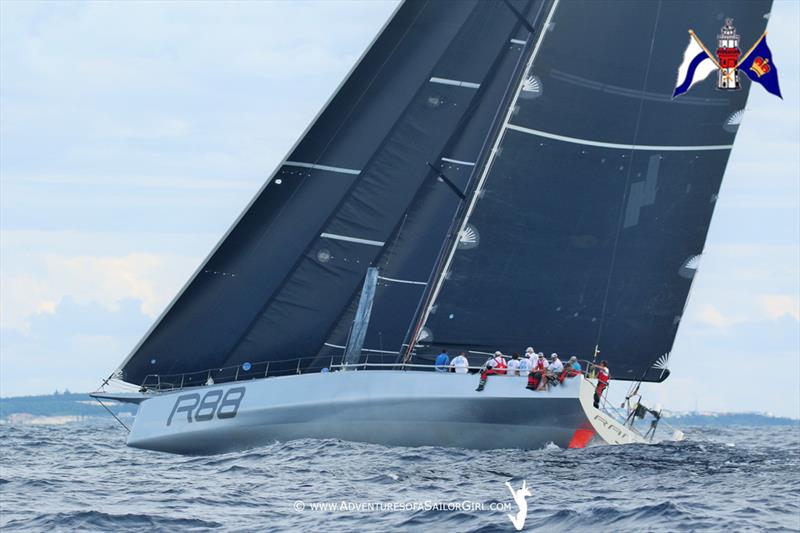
(82, 477)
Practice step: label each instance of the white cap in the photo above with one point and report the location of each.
(553, 355)
(529, 349)
(498, 354)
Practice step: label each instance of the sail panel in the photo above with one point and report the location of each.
(298, 319)
(220, 303)
(598, 201)
(280, 279)
(407, 262)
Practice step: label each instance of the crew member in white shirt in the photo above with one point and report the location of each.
(460, 363)
(525, 364)
(556, 366)
(513, 365)
(529, 352)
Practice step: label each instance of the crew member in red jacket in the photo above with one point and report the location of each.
(495, 365)
(537, 378)
(603, 375)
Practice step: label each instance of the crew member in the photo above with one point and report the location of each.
(513, 365)
(537, 380)
(498, 362)
(442, 362)
(570, 370)
(460, 363)
(525, 365)
(603, 374)
(530, 352)
(495, 365)
(556, 366)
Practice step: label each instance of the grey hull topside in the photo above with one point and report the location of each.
(394, 408)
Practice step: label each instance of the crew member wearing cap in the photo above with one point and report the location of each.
(556, 366)
(526, 364)
(495, 365)
(529, 352)
(554, 369)
(570, 370)
(537, 378)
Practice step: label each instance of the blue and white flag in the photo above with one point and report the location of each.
(758, 66)
(696, 66)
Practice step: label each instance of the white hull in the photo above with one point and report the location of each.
(383, 407)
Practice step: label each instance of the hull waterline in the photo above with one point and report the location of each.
(382, 407)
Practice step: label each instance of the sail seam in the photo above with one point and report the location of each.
(619, 146)
(358, 240)
(322, 167)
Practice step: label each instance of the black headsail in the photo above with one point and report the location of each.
(407, 264)
(279, 281)
(588, 222)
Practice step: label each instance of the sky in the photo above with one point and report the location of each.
(133, 133)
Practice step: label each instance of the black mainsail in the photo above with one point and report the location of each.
(571, 206)
(593, 213)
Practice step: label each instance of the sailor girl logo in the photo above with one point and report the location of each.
(699, 62)
(520, 498)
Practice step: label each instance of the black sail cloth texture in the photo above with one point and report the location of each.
(594, 212)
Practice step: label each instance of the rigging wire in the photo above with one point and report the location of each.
(113, 414)
(450, 243)
(625, 192)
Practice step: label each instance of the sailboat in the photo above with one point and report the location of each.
(490, 175)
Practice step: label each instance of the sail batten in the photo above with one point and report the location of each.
(302, 247)
(617, 146)
(600, 192)
(513, 168)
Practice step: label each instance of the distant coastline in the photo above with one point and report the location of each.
(69, 407)
(58, 408)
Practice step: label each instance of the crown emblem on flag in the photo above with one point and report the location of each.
(760, 66)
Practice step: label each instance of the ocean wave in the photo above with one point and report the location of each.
(100, 521)
(84, 478)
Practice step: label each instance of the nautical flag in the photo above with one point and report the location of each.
(758, 66)
(697, 65)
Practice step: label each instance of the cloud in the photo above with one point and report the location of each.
(713, 368)
(74, 346)
(780, 305)
(134, 133)
(150, 279)
(709, 314)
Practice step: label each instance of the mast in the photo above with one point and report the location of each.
(361, 323)
(285, 278)
(455, 237)
(588, 220)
